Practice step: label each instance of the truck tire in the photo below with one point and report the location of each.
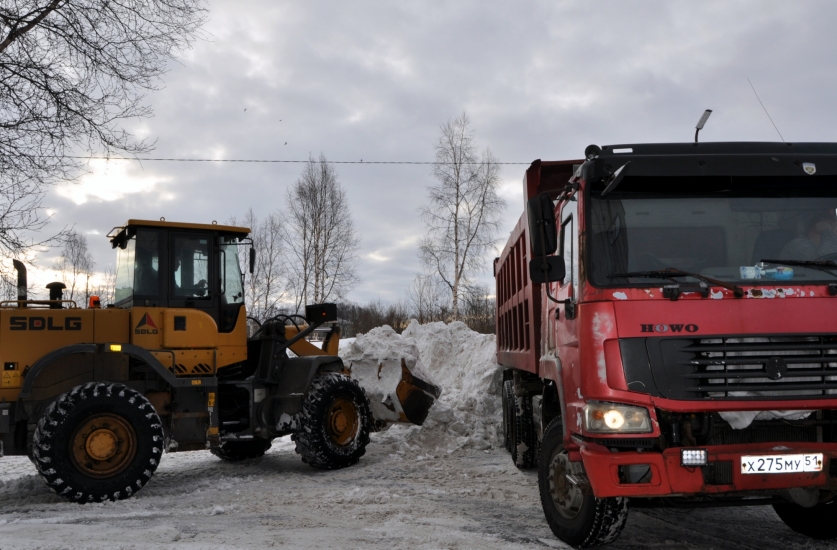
(236, 451)
(819, 522)
(98, 442)
(335, 423)
(508, 413)
(573, 513)
(523, 438)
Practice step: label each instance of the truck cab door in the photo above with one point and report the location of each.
(563, 335)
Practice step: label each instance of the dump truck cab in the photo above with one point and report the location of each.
(666, 316)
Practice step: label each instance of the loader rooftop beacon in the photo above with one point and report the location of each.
(678, 344)
(94, 396)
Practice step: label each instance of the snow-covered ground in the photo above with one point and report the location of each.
(447, 484)
(464, 499)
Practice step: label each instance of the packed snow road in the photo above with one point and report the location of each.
(462, 499)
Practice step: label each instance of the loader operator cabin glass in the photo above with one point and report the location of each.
(138, 266)
(232, 288)
(746, 230)
(191, 268)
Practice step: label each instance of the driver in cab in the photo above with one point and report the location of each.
(819, 239)
(181, 286)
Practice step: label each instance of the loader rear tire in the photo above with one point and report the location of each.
(236, 451)
(819, 522)
(98, 442)
(524, 439)
(572, 511)
(334, 424)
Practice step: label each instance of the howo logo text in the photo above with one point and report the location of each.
(669, 328)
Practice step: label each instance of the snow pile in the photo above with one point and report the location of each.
(462, 362)
(742, 419)
(376, 360)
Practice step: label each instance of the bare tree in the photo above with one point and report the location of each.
(359, 319)
(105, 286)
(463, 215)
(478, 309)
(76, 265)
(427, 300)
(320, 236)
(266, 287)
(70, 73)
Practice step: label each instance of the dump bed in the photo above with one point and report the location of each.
(518, 300)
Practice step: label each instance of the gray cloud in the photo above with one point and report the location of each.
(373, 81)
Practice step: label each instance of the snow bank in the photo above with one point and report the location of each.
(376, 361)
(462, 362)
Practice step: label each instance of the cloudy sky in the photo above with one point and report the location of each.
(374, 80)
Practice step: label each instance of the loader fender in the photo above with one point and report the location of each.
(130, 350)
(292, 385)
(298, 373)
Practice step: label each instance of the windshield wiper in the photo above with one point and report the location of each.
(821, 265)
(671, 272)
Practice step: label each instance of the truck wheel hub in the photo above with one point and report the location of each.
(103, 445)
(567, 496)
(342, 421)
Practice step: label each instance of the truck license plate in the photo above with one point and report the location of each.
(781, 464)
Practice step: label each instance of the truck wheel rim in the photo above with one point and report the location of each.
(103, 446)
(342, 422)
(567, 497)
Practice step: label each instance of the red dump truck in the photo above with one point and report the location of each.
(667, 320)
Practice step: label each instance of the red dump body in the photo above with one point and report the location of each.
(680, 359)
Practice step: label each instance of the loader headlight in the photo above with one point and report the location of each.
(610, 418)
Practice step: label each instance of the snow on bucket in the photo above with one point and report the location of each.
(388, 367)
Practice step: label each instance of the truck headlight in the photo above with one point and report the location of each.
(610, 418)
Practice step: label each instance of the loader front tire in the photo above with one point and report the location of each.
(98, 442)
(236, 451)
(334, 424)
(572, 511)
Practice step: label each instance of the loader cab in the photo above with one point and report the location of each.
(180, 265)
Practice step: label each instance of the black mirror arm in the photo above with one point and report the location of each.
(545, 264)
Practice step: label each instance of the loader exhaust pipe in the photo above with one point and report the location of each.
(21, 281)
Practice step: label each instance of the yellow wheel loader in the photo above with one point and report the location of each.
(95, 396)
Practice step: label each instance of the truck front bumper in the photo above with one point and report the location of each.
(668, 477)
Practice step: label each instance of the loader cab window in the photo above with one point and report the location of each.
(232, 287)
(190, 268)
(138, 268)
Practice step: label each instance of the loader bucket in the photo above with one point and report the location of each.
(416, 396)
(391, 373)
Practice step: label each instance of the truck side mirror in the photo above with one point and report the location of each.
(543, 233)
(252, 260)
(546, 269)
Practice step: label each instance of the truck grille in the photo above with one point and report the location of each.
(770, 367)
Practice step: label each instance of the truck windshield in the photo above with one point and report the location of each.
(720, 227)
